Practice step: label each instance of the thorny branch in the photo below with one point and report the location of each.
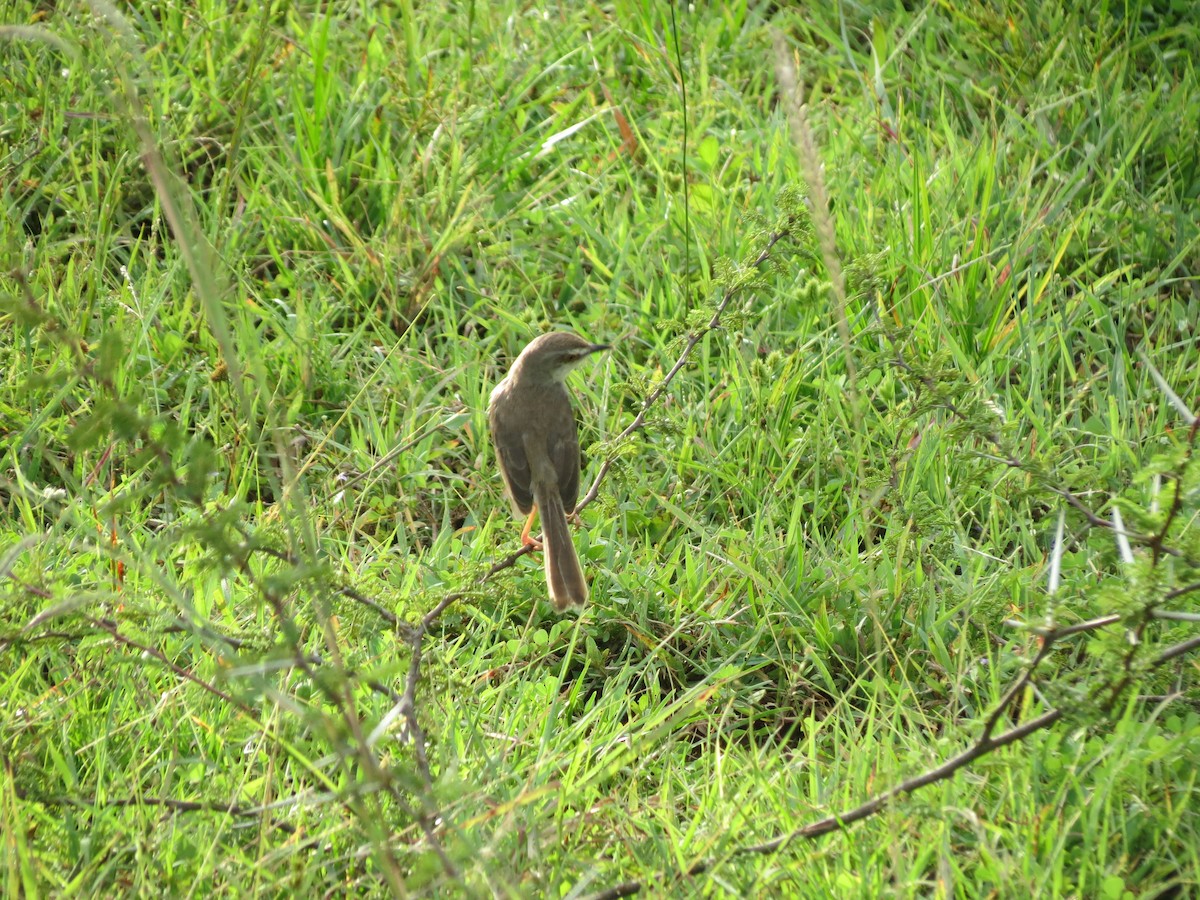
(1106, 694)
(986, 743)
(1155, 541)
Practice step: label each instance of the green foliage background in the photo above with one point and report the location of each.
(261, 265)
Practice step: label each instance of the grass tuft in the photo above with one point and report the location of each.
(263, 265)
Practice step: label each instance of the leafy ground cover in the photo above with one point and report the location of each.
(926, 475)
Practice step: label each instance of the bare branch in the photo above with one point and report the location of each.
(983, 746)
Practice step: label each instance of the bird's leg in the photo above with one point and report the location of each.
(526, 538)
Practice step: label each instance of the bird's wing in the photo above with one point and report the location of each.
(563, 446)
(514, 464)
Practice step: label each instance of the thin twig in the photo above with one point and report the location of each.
(110, 627)
(791, 88)
(982, 746)
(693, 339)
(1111, 690)
(230, 809)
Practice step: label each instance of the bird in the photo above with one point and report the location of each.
(536, 439)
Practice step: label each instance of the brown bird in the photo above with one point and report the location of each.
(537, 450)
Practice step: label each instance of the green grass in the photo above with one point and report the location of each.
(249, 251)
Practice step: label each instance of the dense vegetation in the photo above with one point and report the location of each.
(930, 477)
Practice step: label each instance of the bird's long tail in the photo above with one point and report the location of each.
(564, 575)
